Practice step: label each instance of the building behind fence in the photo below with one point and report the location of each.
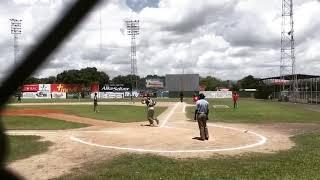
(308, 89)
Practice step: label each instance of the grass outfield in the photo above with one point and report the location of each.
(301, 162)
(37, 123)
(25, 146)
(117, 113)
(258, 111)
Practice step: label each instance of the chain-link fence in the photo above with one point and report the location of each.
(308, 91)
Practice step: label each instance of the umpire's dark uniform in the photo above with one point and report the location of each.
(202, 110)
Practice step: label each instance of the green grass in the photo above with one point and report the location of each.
(300, 162)
(37, 123)
(259, 111)
(117, 113)
(25, 146)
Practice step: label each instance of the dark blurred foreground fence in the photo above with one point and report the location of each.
(34, 59)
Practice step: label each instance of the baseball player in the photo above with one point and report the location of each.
(95, 103)
(181, 96)
(150, 105)
(19, 97)
(202, 110)
(235, 98)
(195, 98)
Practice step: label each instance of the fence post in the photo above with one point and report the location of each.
(311, 85)
(317, 90)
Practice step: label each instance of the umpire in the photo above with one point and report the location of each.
(202, 110)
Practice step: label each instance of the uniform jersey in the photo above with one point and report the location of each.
(150, 103)
(235, 97)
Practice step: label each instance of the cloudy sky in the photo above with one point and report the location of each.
(225, 38)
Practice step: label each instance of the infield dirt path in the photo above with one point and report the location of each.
(105, 140)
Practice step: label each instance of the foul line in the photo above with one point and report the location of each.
(262, 141)
(169, 115)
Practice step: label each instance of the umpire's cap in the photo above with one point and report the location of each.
(201, 96)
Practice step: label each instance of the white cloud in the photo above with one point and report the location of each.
(226, 38)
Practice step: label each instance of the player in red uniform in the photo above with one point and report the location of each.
(235, 98)
(195, 98)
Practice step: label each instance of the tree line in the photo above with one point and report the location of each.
(90, 75)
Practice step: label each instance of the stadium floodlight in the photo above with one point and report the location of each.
(132, 27)
(16, 30)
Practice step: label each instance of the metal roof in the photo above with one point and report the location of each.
(291, 77)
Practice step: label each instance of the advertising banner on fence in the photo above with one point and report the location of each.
(43, 95)
(59, 95)
(44, 91)
(217, 94)
(45, 87)
(154, 83)
(67, 88)
(94, 87)
(29, 95)
(114, 88)
(92, 95)
(30, 88)
(128, 94)
(111, 95)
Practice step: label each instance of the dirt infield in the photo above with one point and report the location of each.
(173, 138)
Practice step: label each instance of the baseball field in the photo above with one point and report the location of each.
(258, 140)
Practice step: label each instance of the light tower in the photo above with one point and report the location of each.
(15, 30)
(288, 60)
(132, 27)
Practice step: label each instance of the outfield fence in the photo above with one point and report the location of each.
(307, 97)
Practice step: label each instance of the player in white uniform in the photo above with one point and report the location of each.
(150, 105)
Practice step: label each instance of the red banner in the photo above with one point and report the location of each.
(67, 88)
(94, 87)
(30, 88)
